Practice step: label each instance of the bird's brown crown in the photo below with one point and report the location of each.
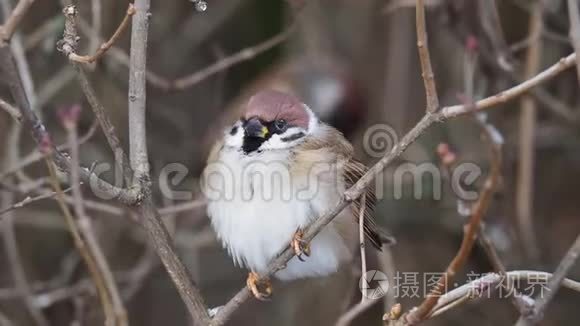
(271, 105)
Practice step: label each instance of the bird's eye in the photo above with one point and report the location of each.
(280, 125)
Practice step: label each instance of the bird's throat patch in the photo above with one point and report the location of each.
(251, 144)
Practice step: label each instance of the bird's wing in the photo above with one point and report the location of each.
(340, 149)
(353, 171)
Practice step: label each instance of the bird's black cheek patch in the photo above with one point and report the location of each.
(234, 130)
(251, 144)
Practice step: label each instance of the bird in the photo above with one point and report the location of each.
(275, 170)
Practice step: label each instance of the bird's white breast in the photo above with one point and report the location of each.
(256, 205)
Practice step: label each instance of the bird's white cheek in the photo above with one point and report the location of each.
(288, 139)
(234, 137)
(275, 142)
(313, 121)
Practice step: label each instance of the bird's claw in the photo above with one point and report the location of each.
(254, 283)
(300, 246)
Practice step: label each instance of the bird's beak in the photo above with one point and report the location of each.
(254, 128)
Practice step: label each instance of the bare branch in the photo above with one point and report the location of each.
(427, 70)
(355, 311)
(479, 209)
(190, 80)
(107, 127)
(12, 22)
(29, 200)
(86, 229)
(82, 247)
(511, 93)
(495, 141)
(55, 84)
(556, 106)
(527, 130)
(36, 155)
(68, 45)
(107, 45)
(10, 244)
(234, 59)
(150, 219)
(18, 50)
(553, 285)
(42, 137)
(11, 110)
(361, 239)
(137, 92)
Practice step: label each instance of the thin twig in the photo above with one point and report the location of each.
(68, 46)
(18, 50)
(495, 141)
(554, 105)
(526, 156)
(11, 110)
(51, 87)
(36, 155)
(522, 304)
(450, 306)
(553, 285)
(146, 265)
(42, 137)
(29, 200)
(513, 92)
(575, 31)
(121, 159)
(357, 189)
(82, 247)
(363, 256)
(347, 318)
(190, 80)
(42, 194)
(21, 69)
(10, 244)
(107, 45)
(42, 32)
(12, 22)
(87, 231)
(427, 70)
(234, 59)
(479, 209)
(121, 57)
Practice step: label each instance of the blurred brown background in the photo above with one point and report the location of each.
(356, 64)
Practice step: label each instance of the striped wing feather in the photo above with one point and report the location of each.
(353, 171)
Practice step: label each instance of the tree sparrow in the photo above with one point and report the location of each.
(276, 170)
